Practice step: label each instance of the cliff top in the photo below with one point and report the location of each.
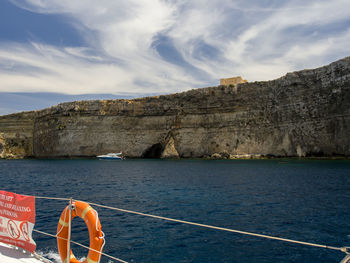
(200, 93)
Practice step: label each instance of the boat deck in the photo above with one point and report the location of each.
(11, 254)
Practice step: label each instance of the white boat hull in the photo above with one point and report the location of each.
(111, 156)
(11, 254)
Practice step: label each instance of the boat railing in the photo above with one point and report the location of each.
(344, 249)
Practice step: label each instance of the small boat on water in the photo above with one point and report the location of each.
(111, 156)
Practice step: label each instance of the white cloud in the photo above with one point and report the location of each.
(245, 38)
(69, 70)
(273, 42)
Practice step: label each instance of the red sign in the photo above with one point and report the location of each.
(17, 219)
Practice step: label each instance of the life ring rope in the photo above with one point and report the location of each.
(97, 241)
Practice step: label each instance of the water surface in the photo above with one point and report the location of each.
(302, 200)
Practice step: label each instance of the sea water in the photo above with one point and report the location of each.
(296, 199)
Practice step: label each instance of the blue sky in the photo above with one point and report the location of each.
(62, 50)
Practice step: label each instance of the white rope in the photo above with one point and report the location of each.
(65, 213)
(342, 249)
(103, 235)
(50, 198)
(102, 253)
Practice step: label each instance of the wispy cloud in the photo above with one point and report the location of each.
(165, 46)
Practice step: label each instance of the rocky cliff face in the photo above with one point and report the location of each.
(305, 113)
(16, 135)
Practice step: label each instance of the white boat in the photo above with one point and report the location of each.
(111, 156)
(12, 254)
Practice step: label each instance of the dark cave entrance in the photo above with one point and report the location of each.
(154, 152)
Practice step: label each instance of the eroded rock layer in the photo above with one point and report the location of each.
(305, 113)
(16, 135)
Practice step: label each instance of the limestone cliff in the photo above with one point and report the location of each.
(304, 113)
(16, 135)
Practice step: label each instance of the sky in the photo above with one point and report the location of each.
(53, 51)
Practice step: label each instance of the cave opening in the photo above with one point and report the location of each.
(315, 154)
(153, 152)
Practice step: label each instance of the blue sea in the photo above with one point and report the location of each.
(306, 200)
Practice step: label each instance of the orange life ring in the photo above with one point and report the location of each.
(89, 215)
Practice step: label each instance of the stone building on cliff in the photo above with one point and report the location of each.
(232, 81)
